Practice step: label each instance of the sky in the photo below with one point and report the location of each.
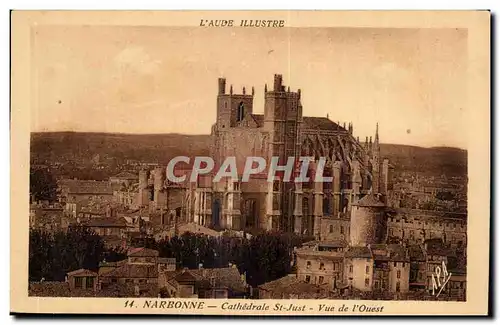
(142, 79)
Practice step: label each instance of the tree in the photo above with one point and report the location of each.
(43, 186)
(52, 256)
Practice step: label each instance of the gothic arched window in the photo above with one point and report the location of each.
(241, 112)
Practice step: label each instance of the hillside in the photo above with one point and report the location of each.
(148, 147)
(72, 146)
(433, 161)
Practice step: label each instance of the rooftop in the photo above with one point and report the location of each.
(82, 272)
(291, 285)
(142, 252)
(310, 122)
(369, 200)
(126, 176)
(133, 271)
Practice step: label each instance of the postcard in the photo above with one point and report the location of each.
(283, 163)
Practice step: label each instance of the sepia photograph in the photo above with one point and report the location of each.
(253, 163)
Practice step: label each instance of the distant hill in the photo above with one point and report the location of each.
(434, 161)
(146, 147)
(71, 146)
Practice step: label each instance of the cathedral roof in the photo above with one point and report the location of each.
(310, 122)
(320, 123)
(369, 200)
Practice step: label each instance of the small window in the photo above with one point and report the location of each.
(341, 230)
(308, 265)
(320, 280)
(398, 286)
(367, 282)
(90, 283)
(241, 112)
(399, 274)
(321, 266)
(395, 264)
(331, 228)
(350, 268)
(308, 278)
(367, 269)
(78, 282)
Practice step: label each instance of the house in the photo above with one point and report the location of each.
(140, 267)
(47, 217)
(293, 287)
(182, 228)
(125, 178)
(108, 226)
(83, 279)
(220, 283)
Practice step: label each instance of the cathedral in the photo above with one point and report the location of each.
(356, 169)
(283, 131)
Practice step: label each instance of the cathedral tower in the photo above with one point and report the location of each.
(232, 107)
(282, 119)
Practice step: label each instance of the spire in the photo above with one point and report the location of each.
(231, 90)
(253, 91)
(265, 88)
(376, 134)
(244, 91)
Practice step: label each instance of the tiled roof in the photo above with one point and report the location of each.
(142, 252)
(189, 227)
(107, 222)
(358, 252)
(369, 200)
(88, 187)
(82, 272)
(133, 271)
(291, 285)
(185, 276)
(389, 252)
(224, 277)
(61, 289)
